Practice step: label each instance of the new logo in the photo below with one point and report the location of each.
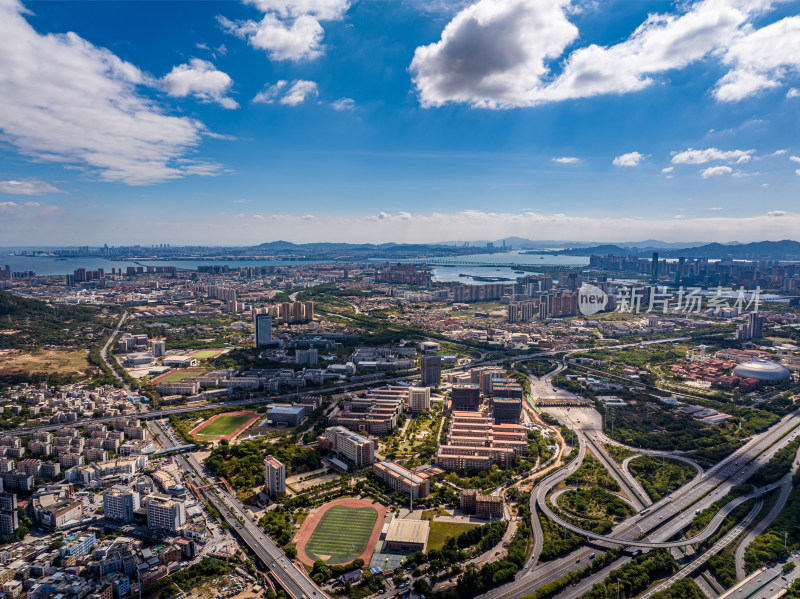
(591, 299)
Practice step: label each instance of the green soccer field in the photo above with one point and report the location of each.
(179, 375)
(206, 354)
(225, 425)
(342, 534)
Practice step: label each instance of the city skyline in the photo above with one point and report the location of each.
(336, 121)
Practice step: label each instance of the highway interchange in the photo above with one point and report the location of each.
(658, 523)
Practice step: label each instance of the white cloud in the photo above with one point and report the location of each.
(668, 169)
(761, 59)
(290, 29)
(566, 159)
(493, 53)
(777, 213)
(299, 92)
(629, 159)
(65, 100)
(289, 94)
(27, 187)
(498, 53)
(793, 93)
(794, 158)
(716, 208)
(201, 79)
(692, 156)
(778, 153)
(344, 104)
(270, 93)
(11, 205)
(24, 210)
(715, 171)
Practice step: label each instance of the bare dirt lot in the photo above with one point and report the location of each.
(49, 360)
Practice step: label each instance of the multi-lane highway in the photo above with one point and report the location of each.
(292, 578)
(662, 521)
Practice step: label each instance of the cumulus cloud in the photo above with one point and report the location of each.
(344, 104)
(668, 169)
(692, 156)
(778, 153)
(493, 53)
(715, 171)
(290, 29)
(287, 93)
(777, 213)
(199, 78)
(270, 93)
(27, 187)
(498, 53)
(299, 92)
(794, 158)
(65, 100)
(761, 59)
(566, 159)
(793, 93)
(629, 159)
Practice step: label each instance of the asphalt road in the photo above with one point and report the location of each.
(665, 519)
(291, 577)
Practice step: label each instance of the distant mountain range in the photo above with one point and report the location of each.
(353, 250)
(778, 250)
(783, 250)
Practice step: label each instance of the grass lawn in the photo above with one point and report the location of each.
(206, 354)
(429, 514)
(342, 534)
(225, 425)
(441, 531)
(179, 375)
(50, 360)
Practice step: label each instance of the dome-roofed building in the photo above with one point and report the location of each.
(763, 370)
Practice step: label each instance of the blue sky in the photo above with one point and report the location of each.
(398, 120)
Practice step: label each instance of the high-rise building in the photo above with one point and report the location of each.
(431, 370)
(275, 474)
(753, 328)
(120, 503)
(165, 513)
(306, 356)
(465, 397)
(506, 410)
(9, 522)
(159, 348)
(356, 448)
(8, 501)
(308, 311)
(419, 399)
(679, 270)
(654, 268)
(755, 325)
(263, 329)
